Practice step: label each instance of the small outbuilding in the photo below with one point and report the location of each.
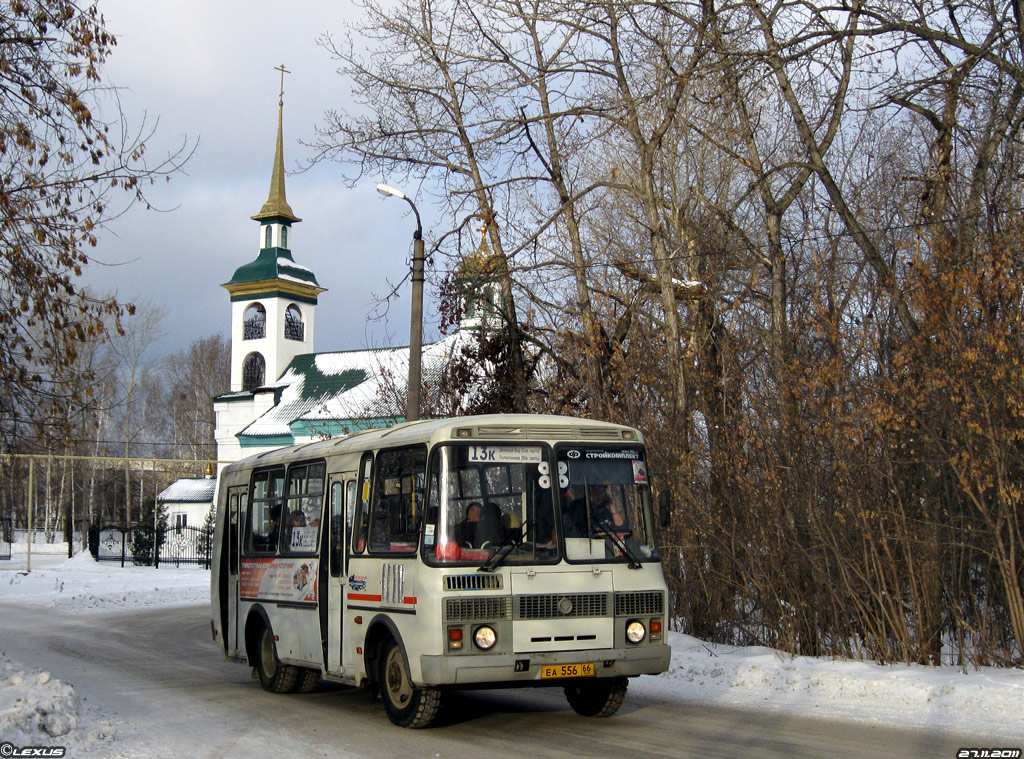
(188, 501)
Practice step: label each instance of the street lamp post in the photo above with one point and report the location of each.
(412, 408)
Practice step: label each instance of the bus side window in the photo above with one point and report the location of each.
(398, 500)
(304, 505)
(263, 521)
(361, 505)
(233, 535)
(433, 499)
(350, 502)
(337, 527)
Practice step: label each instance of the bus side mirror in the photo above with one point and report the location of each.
(665, 507)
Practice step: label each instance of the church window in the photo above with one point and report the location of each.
(294, 329)
(284, 237)
(268, 236)
(254, 323)
(254, 369)
(489, 308)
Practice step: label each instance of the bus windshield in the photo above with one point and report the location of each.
(605, 504)
(485, 500)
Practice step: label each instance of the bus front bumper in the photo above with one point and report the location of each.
(491, 669)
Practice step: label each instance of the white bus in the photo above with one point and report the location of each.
(484, 551)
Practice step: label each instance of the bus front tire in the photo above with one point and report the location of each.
(406, 705)
(274, 676)
(597, 698)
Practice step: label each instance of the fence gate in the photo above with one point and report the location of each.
(109, 545)
(185, 545)
(6, 538)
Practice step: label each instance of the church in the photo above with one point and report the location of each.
(283, 392)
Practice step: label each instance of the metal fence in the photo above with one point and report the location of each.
(146, 546)
(6, 538)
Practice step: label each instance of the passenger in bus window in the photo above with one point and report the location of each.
(603, 508)
(574, 513)
(269, 542)
(466, 530)
(296, 520)
(596, 506)
(490, 530)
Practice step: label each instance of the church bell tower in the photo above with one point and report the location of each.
(273, 299)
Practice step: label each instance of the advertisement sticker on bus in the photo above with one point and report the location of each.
(279, 579)
(639, 472)
(600, 453)
(357, 582)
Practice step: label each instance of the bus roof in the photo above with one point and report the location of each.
(488, 427)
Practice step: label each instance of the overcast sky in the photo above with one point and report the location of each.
(205, 69)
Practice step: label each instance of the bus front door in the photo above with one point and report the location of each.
(342, 493)
(236, 513)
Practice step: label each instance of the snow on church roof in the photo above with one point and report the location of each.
(343, 391)
(189, 490)
(273, 263)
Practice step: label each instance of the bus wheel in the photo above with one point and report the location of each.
(597, 698)
(406, 705)
(308, 680)
(274, 676)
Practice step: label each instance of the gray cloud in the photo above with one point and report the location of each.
(206, 71)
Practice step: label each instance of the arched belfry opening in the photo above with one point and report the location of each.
(254, 326)
(254, 371)
(294, 329)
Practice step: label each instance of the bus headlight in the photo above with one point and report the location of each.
(485, 637)
(635, 631)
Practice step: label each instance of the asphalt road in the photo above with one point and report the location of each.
(158, 676)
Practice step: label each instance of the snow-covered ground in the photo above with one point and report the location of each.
(38, 710)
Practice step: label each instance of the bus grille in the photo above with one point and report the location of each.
(478, 609)
(564, 605)
(647, 602)
(472, 582)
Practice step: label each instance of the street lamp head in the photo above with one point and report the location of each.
(383, 189)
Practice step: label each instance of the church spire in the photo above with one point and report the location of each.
(277, 204)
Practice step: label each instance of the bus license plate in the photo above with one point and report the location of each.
(567, 670)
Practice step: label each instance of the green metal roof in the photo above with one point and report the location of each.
(273, 263)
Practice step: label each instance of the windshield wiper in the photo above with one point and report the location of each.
(513, 539)
(610, 532)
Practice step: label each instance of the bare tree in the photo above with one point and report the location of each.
(63, 173)
(128, 351)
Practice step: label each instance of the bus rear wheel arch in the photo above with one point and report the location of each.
(275, 677)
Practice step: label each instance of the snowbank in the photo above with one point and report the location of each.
(986, 701)
(84, 585)
(36, 710)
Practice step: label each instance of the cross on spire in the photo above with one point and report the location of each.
(283, 71)
(277, 204)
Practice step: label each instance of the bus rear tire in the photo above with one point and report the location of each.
(406, 705)
(274, 676)
(308, 680)
(597, 698)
